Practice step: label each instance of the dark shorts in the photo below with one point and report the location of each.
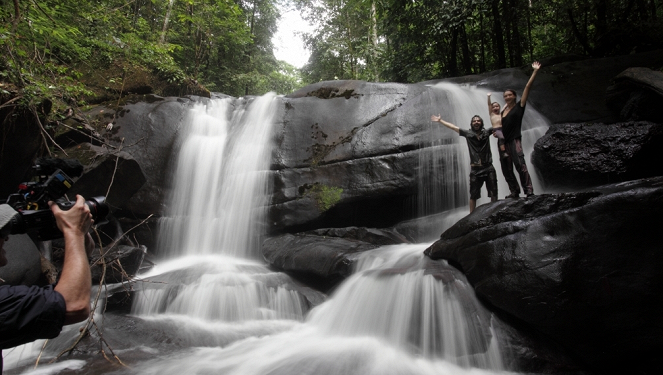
(480, 175)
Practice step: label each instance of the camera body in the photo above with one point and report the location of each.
(35, 216)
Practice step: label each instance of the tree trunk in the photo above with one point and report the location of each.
(17, 15)
(248, 55)
(601, 18)
(482, 47)
(517, 45)
(582, 39)
(374, 35)
(506, 14)
(162, 40)
(453, 56)
(530, 42)
(467, 65)
(497, 32)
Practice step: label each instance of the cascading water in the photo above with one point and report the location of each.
(220, 189)
(218, 199)
(217, 310)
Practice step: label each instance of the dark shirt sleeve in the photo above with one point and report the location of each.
(462, 133)
(29, 313)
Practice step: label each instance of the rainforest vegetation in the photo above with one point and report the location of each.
(75, 53)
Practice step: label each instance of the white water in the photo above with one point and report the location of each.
(220, 188)
(377, 322)
(233, 315)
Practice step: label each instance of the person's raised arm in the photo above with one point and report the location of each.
(447, 124)
(490, 104)
(74, 283)
(523, 99)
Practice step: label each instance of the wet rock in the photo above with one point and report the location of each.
(324, 257)
(580, 268)
(148, 130)
(23, 262)
(118, 171)
(582, 155)
(637, 95)
(21, 143)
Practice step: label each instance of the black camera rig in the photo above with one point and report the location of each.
(31, 201)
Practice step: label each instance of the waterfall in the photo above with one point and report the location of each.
(211, 307)
(220, 180)
(213, 222)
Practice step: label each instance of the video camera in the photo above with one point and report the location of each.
(31, 201)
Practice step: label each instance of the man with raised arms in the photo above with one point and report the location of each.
(481, 159)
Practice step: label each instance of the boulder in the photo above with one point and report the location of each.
(582, 155)
(147, 130)
(354, 159)
(20, 140)
(324, 257)
(113, 173)
(580, 268)
(23, 262)
(637, 95)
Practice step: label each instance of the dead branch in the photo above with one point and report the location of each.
(8, 102)
(44, 133)
(86, 134)
(117, 158)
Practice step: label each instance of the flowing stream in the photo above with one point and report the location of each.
(211, 307)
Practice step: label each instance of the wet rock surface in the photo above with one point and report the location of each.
(637, 94)
(581, 268)
(324, 257)
(582, 155)
(115, 175)
(23, 262)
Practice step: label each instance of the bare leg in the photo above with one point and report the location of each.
(473, 204)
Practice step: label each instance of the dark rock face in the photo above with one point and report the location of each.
(637, 95)
(19, 144)
(118, 170)
(23, 262)
(582, 268)
(148, 132)
(324, 257)
(582, 155)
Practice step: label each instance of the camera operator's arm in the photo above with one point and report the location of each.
(75, 280)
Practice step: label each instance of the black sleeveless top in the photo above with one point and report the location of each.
(513, 122)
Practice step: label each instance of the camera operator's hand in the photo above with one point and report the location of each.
(74, 284)
(77, 220)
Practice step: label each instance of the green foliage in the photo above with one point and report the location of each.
(225, 44)
(427, 39)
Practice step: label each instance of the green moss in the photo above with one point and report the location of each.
(326, 196)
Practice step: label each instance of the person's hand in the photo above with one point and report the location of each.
(488, 95)
(77, 220)
(435, 118)
(536, 65)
